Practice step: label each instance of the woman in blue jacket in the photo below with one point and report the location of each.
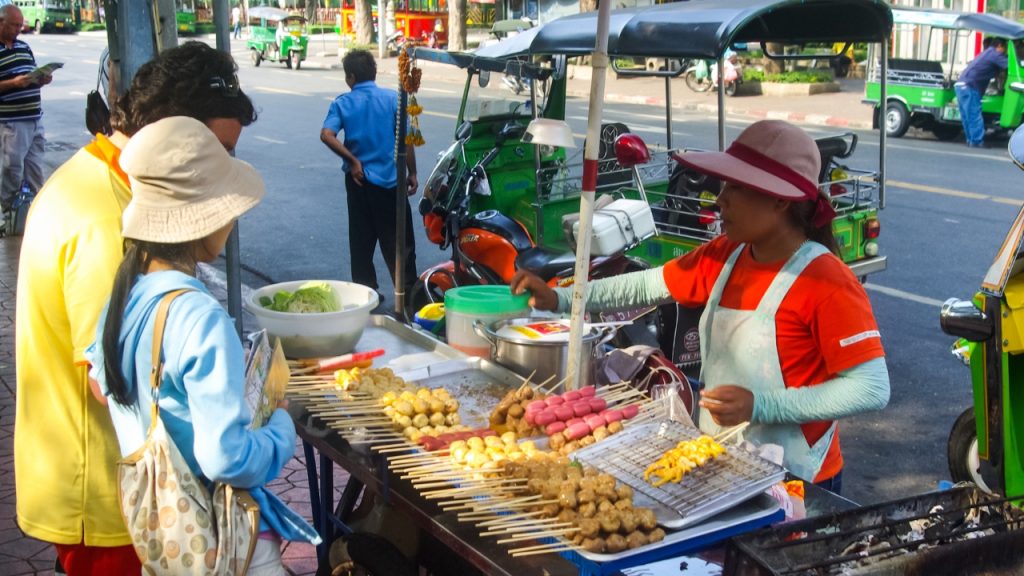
(187, 192)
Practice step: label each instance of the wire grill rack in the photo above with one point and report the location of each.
(722, 483)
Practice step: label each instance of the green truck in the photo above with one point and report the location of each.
(46, 15)
(920, 79)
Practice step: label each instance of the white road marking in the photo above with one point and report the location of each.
(896, 293)
(438, 90)
(270, 140)
(953, 192)
(278, 91)
(440, 114)
(76, 93)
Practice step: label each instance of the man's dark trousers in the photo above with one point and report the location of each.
(371, 218)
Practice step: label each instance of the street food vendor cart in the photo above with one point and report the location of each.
(718, 497)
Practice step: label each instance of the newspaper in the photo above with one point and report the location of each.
(45, 70)
(266, 377)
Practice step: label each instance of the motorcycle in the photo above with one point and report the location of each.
(702, 76)
(488, 246)
(984, 443)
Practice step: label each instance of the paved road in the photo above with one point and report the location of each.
(947, 211)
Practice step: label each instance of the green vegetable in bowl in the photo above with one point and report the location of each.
(311, 297)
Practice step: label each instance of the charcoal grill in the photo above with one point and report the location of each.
(722, 483)
(961, 532)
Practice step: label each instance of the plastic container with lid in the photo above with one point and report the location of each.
(466, 304)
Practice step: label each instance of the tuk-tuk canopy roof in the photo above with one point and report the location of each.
(704, 28)
(990, 24)
(275, 14)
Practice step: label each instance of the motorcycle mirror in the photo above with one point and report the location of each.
(630, 150)
(463, 131)
(1016, 148)
(483, 78)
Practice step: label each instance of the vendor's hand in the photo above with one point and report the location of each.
(542, 296)
(728, 405)
(23, 81)
(413, 184)
(356, 171)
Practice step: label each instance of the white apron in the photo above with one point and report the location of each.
(739, 347)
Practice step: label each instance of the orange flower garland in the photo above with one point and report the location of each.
(409, 76)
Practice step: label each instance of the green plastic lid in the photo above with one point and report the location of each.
(484, 300)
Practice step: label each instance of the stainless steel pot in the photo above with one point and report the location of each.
(543, 359)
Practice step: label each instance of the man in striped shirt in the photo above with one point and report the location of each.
(21, 131)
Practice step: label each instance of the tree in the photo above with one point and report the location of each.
(457, 25)
(364, 22)
(772, 66)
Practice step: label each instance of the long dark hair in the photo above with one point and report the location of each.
(801, 214)
(138, 255)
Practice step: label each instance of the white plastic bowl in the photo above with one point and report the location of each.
(312, 335)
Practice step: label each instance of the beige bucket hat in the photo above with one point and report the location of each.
(772, 157)
(185, 185)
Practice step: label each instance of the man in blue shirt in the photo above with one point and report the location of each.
(21, 131)
(367, 115)
(970, 88)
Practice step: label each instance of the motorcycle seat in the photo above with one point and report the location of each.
(545, 263)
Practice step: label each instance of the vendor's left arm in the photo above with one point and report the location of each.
(863, 388)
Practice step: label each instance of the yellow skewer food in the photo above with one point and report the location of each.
(686, 456)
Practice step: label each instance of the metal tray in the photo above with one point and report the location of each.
(722, 483)
(420, 359)
(759, 510)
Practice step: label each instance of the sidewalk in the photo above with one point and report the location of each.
(21, 555)
(842, 109)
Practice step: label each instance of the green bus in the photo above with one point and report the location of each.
(185, 17)
(46, 15)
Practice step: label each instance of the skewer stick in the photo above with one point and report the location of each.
(526, 382)
(502, 518)
(541, 534)
(531, 524)
(725, 435)
(552, 550)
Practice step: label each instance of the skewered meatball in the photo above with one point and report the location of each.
(605, 505)
(624, 491)
(624, 504)
(577, 538)
(551, 510)
(648, 521)
(567, 498)
(588, 482)
(615, 427)
(636, 540)
(556, 441)
(567, 515)
(589, 527)
(570, 484)
(586, 495)
(595, 545)
(609, 521)
(587, 510)
(656, 535)
(629, 521)
(574, 473)
(615, 543)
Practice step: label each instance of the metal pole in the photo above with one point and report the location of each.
(668, 109)
(590, 154)
(401, 201)
(882, 137)
(721, 102)
(232, 251)
(136, 43)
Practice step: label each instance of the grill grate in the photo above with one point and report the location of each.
(720, 484)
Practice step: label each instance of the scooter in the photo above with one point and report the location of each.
(703, 76)
(488, 247)
(985, 442)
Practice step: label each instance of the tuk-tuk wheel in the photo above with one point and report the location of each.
(295, 59)
(962, 452)
(288, 61)
(946, 132)
(897, 119)
(257, 57)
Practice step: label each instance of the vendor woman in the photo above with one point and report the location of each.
(788, 339)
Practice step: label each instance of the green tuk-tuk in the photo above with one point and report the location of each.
(277, 37)
(931, 49)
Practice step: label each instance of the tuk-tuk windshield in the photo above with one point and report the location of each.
(295, 26)
(497, 99)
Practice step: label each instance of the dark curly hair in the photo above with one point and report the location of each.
(193, 80)
(360, 64)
